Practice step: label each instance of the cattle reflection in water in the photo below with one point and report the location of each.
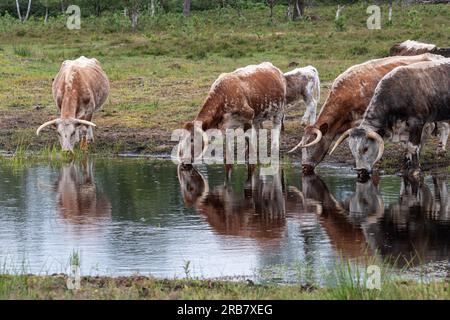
(79, 199)
(417, 228)
(418, 225)
(257, 213)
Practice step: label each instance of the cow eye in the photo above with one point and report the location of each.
(365, 149)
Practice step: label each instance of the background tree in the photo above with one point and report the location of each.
(47, 4)
(186, 8)
(133, 9)
(19, 13)
(299, 9)
(295, 9)
(271, 4)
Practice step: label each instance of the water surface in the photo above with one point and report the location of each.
(127, 216)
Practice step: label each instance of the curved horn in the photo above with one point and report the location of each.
(296, 147)
(48, 123)
(316, 140)
(341, 138)
(85, 122)
(375, 136)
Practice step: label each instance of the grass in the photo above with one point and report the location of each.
(160, 74)
(343, 282)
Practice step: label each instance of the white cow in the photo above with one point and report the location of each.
(304, 84)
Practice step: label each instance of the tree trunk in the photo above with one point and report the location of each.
(152, 8)
(299, 9)
(289, 10)
(19, 15)
(271, 4)
(163, 4)
(339, 10)
(390, 11)
(134, 15)
(28, 10)
(46, 15)
(186, 8)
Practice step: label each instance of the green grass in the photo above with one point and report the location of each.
(344, 281)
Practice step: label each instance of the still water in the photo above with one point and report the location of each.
(128, 216)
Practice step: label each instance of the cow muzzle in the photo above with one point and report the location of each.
(363, 174)
(307, 169)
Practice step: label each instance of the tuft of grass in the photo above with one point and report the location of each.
(22, 51)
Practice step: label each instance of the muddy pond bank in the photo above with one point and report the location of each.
(17, 132)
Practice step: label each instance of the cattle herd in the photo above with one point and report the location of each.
(404, 98)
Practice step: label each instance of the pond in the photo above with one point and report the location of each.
(126, 216)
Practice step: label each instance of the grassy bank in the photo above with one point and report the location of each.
(160, 74)
(55, 287)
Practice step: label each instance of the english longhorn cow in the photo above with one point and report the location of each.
(244, 98)
(304, 84)
(80, 88)
(412, 48)
(416, 94)
(346, 103)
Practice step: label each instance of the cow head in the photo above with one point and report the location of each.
(193, 184)
(367, 148)
(193, 143)
(314, 147)
(68, 131)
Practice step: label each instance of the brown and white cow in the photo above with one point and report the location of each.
(412, 48)
(346, 103)
(244, 98)
(80, 88)
(416, 94)
(304, 84)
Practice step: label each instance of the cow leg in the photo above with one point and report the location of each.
(413, 148)
(426, 133)
(443, 132)
(311, 105)
(277, 122)
(90, 134)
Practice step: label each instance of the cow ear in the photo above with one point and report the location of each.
(324, 128)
